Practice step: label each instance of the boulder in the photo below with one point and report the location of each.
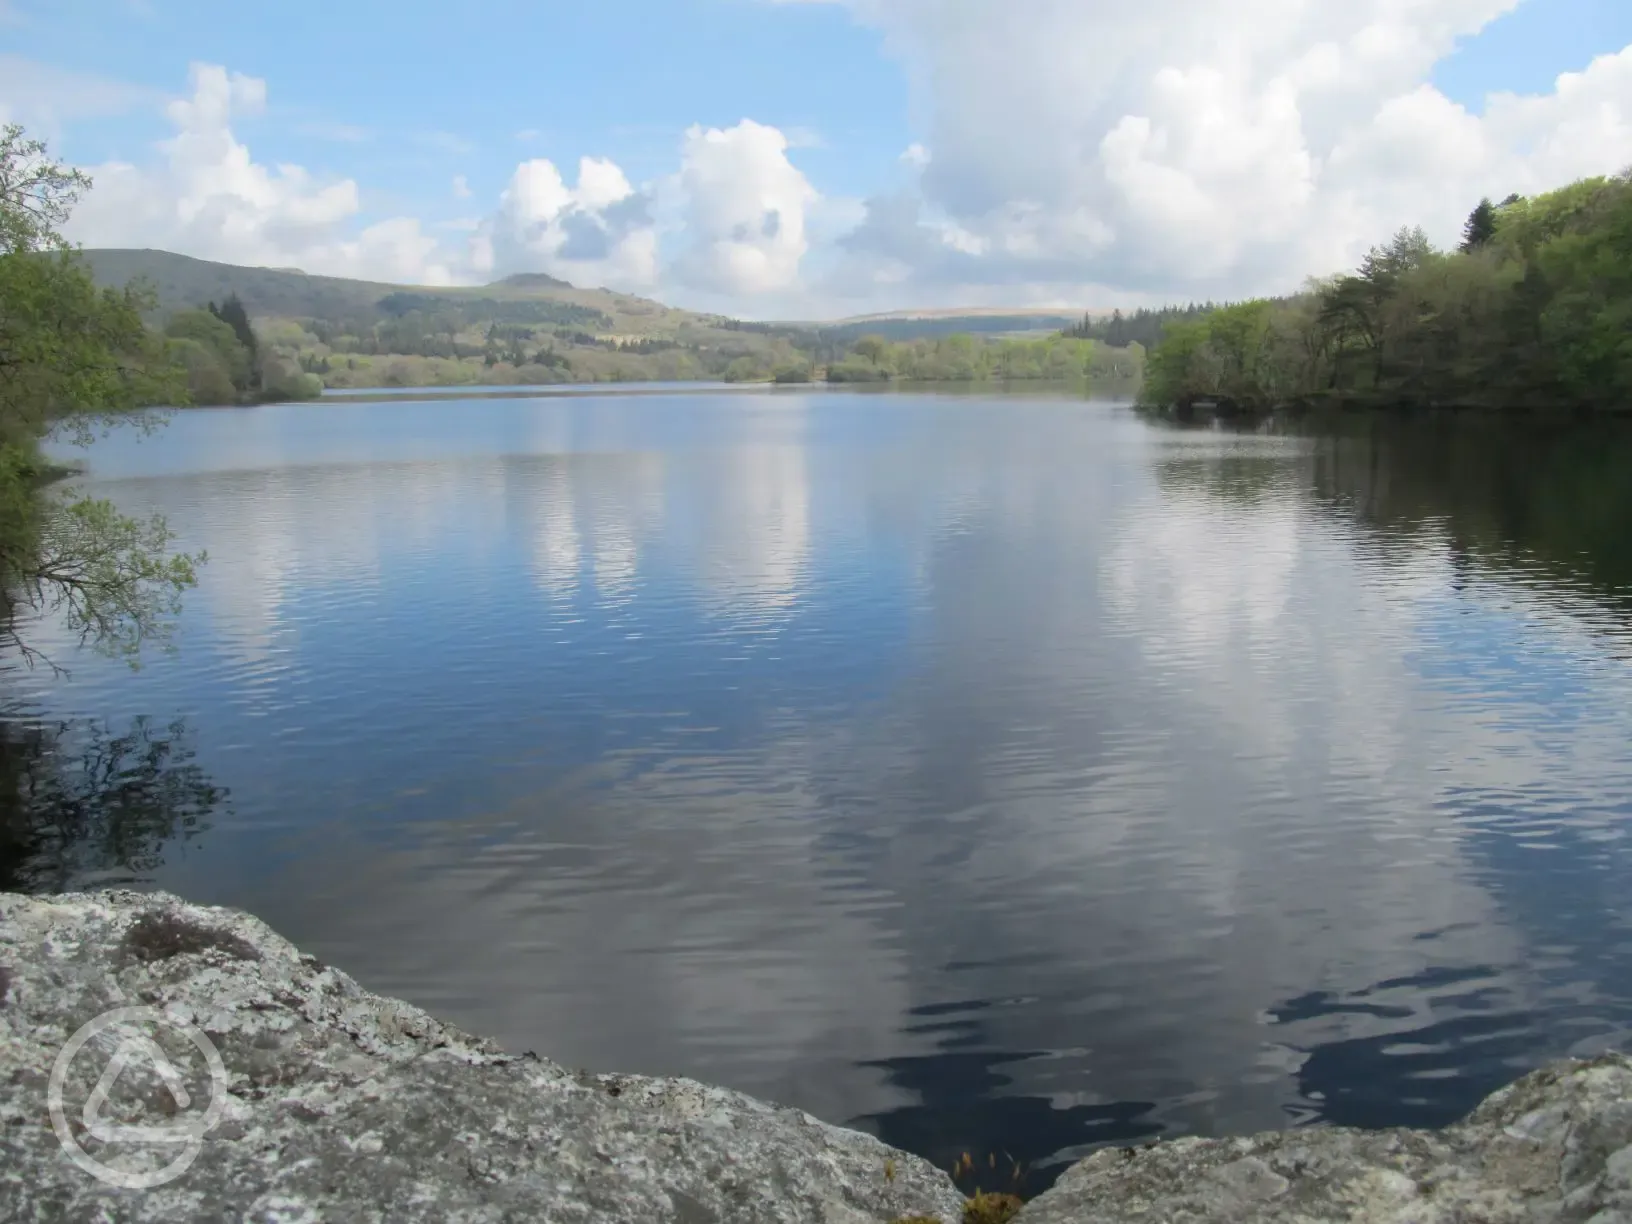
(338, 1104)
(1553, 1148)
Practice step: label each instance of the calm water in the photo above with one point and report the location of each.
(988, 773)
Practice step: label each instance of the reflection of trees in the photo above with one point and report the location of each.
(1503, 493)
(77, 804)
(1242, 480)
(1544, 493)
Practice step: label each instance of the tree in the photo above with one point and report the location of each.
(207, 379)
(216, 335)
(1480, 227)
(744, 369)
(74, 359)
(233, 314)
(872, 348)
(1534, 312)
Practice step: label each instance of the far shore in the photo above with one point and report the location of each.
(386, 394)
(369, 395)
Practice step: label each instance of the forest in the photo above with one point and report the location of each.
(1533, 310)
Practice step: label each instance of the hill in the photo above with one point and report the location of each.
(526, 328)
(183, 282)
(533, 328)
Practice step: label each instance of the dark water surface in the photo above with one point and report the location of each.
(990, 773)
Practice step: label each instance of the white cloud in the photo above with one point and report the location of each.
(740, 204)
(1184, 145)
(207, 197)
(597, 232)
(744, 207)
(1084, 155)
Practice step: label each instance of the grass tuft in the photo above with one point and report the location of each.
(991, 1208)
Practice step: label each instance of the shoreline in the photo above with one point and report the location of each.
(337, 1103)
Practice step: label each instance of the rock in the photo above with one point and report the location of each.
(343, 1105)
(1553, 1148)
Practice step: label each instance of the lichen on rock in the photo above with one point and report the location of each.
(343, 1105)
(1553, 1148)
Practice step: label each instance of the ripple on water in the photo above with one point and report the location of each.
(1001, 776)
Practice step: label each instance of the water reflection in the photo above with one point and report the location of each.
(1000, 775)
(81, 808)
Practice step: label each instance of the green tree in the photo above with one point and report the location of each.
(744, 369)
(214, 334)
(208, 381)
(73, 359)
(1480, 228)
(232, 313)
(283, 379)
(871, 348)
(1535, 311)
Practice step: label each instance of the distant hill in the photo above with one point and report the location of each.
(527, 328)
(532, 328)
(182, 282)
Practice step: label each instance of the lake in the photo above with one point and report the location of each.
(994, 773)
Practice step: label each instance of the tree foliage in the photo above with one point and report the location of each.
(1480, 227)
(1533, 311)
(232, 313)
(1144, 326)
(73, 359)
(964, 358)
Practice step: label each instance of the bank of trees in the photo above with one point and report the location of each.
(964, 358)
(1143, 327)
(1533, 310)
(222, 361)
(73, 358)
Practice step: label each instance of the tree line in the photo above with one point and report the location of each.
(224, 362)
(1143, 327)
(1533, 310)
(965, 358)
(74, 358)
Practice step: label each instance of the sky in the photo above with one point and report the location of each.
(802, 159)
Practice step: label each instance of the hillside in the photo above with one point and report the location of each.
(535, 329)
(183, 282)
(529, 328)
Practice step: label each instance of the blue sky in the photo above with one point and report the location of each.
(1052, 161)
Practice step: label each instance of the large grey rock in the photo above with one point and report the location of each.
(343, 1105)
(1554, 1147)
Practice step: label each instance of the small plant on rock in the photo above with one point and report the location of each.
(991, 1208)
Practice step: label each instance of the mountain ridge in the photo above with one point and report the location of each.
(186, 282)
